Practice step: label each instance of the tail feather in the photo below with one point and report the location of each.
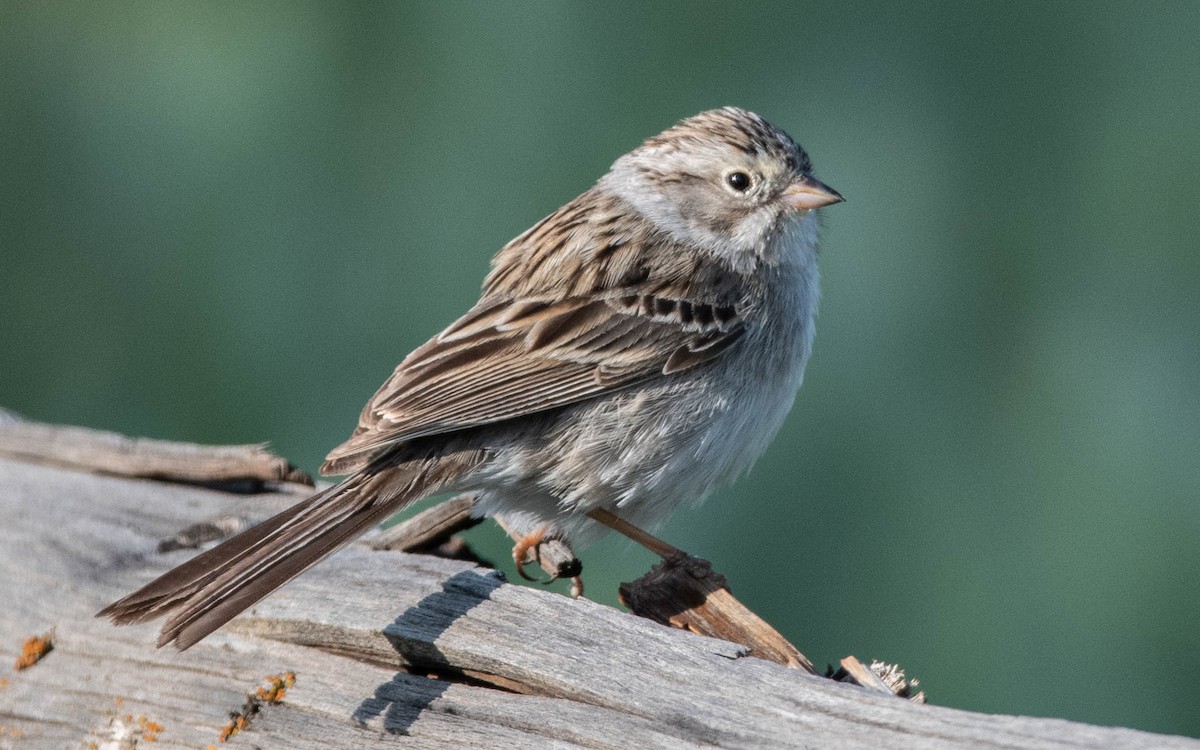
(178, 584)
(241, 586)
(218, 584)
(215, 586)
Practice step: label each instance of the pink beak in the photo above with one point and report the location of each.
(808, 193)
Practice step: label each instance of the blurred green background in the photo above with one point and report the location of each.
(226, 222)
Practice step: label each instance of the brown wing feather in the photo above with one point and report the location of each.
(480, 372)
(574, 309)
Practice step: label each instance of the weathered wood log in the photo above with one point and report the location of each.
(383, 643)
(245, 468)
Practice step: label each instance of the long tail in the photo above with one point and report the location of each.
(215, 586)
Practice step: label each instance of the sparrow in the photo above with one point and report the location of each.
(629, 352)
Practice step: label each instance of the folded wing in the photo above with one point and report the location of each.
(509, 358)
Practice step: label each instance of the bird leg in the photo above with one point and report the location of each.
(647, 540)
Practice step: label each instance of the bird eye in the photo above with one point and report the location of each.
(739, 181)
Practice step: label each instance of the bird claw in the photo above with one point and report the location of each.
(522, 550)
(521, 572)
(529, 548)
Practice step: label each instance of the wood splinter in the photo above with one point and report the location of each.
(432, 531)
(879, 676)
(685, 592)
(233, 468)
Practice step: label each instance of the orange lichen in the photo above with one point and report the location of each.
(34, 649)
(150, 729)
(274, 691)
(276, 688)
(237, 722)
